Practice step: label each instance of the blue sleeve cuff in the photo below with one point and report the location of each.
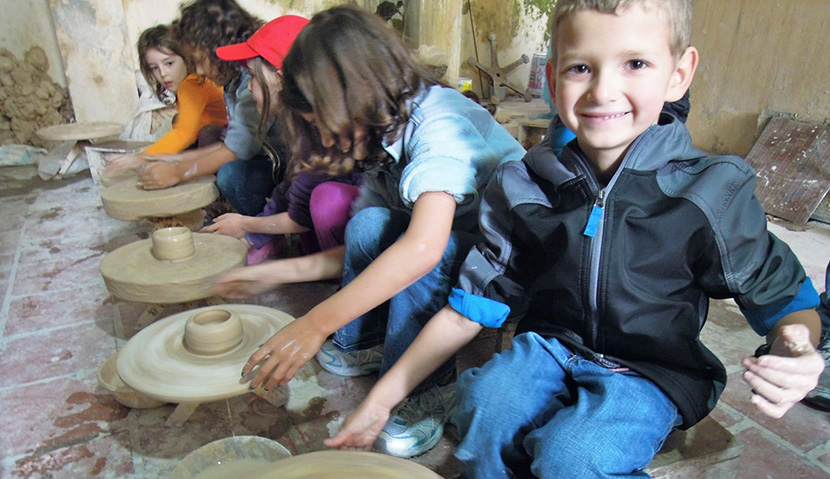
(763, 319)
(485, 311)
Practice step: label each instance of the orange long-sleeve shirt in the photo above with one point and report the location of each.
(199, 103)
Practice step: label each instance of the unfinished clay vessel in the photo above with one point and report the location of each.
(214, 331)
(160, 361)
(173, 244)
(133, 272)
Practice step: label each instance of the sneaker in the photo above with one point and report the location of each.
(820, 396)
(417, 424)
(358, 363)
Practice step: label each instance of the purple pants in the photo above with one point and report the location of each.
(329, 207)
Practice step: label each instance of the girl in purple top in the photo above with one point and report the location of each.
(317, 206)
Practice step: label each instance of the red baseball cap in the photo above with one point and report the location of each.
(270, 42)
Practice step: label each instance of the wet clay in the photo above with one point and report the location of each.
(128, 201)
(133, 273)
(158, 362)
(344, 465)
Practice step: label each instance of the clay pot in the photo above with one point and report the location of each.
(212, 332)
(108, 378)
(173, 244)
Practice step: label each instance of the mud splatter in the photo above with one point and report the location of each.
(314, 408)
(46, 465)
(52, 213)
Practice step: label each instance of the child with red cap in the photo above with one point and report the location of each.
(314, 205)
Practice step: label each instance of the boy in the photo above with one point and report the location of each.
(609, 256)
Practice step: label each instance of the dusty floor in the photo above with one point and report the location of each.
(58, 324)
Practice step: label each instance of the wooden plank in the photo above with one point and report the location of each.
(792, 162)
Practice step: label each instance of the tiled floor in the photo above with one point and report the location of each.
(58, 325)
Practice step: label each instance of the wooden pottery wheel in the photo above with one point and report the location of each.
(80, 131)
(128, 201)
(163, 362)
(136, 272)
(344, 465)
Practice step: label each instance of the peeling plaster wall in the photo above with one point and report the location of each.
(92, 41)
(520, 27)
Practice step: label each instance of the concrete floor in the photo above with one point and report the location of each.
(58, 324)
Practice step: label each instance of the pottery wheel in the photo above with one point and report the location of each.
(344, 465)
(80, 131)
(132, 272)
(128, 201)
(157, 363)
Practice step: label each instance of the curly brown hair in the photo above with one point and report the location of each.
(165, 39)
(347, 68)
(206, 25)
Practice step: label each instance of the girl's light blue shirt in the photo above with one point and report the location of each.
(450, 144)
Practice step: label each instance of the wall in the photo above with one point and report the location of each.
(91, 43)
(757, 56)
(28, 24)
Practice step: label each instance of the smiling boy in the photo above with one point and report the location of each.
(607, 257)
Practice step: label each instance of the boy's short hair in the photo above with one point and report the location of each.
(678, 14)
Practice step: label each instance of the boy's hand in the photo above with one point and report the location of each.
(361, 428)
(229, 224)
(279, 359)
(783, 377)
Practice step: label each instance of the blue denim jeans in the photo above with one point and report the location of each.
(538, 410)
(396, 323)
(246, 184)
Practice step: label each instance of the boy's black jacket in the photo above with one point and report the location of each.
(677, 228)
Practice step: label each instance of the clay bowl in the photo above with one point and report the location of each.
(213, 331)
(173, 244)
(108, 378)
(230, 457)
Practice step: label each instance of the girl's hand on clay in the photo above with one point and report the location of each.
(361, 428)
(279, 359)
(158, 175)
(123, 163)
(782, 378)
(229, 224)
(244, 282)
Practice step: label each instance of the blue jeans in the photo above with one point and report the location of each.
(246, 184)
(538, 410)
(396, 323)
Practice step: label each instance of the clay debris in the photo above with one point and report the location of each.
(29, 99)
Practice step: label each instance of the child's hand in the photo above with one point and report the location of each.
(783, 377)
(123, 163)
(361, 428)
(279, 359)
(229, 224)
(243, 282)
(158, 175)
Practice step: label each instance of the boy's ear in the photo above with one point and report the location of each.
(682, 77)
(551, 78)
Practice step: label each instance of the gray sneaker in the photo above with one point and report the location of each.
(358, 363)
(820, 396)
(417, 424)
